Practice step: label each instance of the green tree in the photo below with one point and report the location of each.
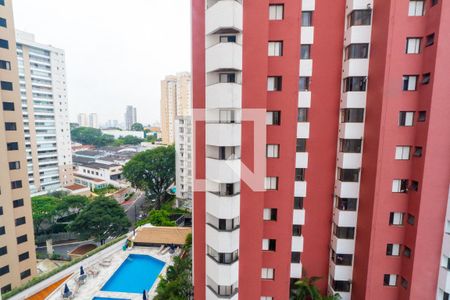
(137, 127)
(129, 140)
(44, 209)
(102, 218)
(157, 218)
(306, 290)
(152, 171)
(72, 204)
(91, 136)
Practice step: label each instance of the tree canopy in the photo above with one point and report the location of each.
(128, 140)
(305, 289)
(102, 218)
(137, 127)
(152, 171)
(93, 136)
(157, 218)
(44, 210)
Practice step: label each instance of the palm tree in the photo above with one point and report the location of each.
(306, 290)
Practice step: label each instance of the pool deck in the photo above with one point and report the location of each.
(93, 284)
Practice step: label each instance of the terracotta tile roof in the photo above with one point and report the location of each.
(162, 235)
(42, 295)
(75, 187)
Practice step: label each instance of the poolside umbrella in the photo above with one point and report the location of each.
(66, 289)
(144, 295)
(81, 271)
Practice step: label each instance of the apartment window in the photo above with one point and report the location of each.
(356, 51)
(271, 183)
(17, 184)
(344, 232)
(413, 45)
(25, 274)
(15, 165)
(7, 288)
(5, 65)
(272, 151)
(414, 185)
(274, 83)
(302, 115)
(410, 82)
(301, 145)
(10, 126)
(350, 145)
(275, 48)
(227, 77)
(360, 17)
(422, 116)
(266, 298)
(295, 257)
(426, 78)
(4, 270)
(227, 39)
(416, 8)
(3, 251)
(400, 185)
(6, 85)
(390, 280)
(276, 12)
(352, 115)
(418, 152)
(296, 230)
(402, 152)
(298, 202)
(305, 51)
(4, 44)
(446, 296)
(18, 203)
(269, 245)
(222, 258)
(355, 84)
(346, 204)
(393, 249)
(8, 106)
(396, 218)
(406, 118)
(340, 285)
(22, 239)
(411, 219)
(3, 22)
(341, 259)
(429, 40)
(304, 83)
(273, 118)
(270, 214)
(300, 174)
(24, 256)
(307, 18)
(2, 230)
(225, 116)
(2, 2)
(20, 221)
(404, 283)
(348, 175)
(1, 210)
(267, 273)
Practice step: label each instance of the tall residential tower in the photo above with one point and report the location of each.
(354, 95)
(17, 252)
(130, 117)
(43, 91)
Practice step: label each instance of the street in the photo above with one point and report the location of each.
(133, 206)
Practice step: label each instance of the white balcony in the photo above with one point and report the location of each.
(301, 160)
(356, 67)
(211, 296)
(306, 67)
(307, 35)
(222, 274)
(444, 279)
(303, 130)
(446, 245)
(223, 171)
(222, 241)
(346, 189)
(308, 5)
(353, 100)
(344, 218)
(341, 273)
(296, 270)
(224, 95)
(224, 15)
(300, 189)
(223, 207)
(357, 35)
(349, 160)
(298, 217)
(297, 244)
(223, 134)
(342, 246)
(224, 56)
(304, 99)
(358, 4)
(351, 130)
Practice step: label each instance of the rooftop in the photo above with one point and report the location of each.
(149, 235)
(97, 165)
(75, 187)
(89, 153)
(89, 178)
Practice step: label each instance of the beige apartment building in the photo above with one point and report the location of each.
(17, 252)
(175, 102)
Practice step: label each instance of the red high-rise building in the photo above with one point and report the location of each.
(356, 103)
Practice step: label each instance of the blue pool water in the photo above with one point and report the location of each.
(103, 298)
(136, 274)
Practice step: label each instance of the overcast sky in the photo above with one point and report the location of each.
(116, 51)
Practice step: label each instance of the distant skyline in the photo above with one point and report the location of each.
(116, 54)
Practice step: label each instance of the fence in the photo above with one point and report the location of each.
(57, 237)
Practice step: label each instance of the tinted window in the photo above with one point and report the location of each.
(4, 44)
(8, 106)
(12, 146)
(6, 85)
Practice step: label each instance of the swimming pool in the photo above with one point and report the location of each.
(103, 298)
(136, 274)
